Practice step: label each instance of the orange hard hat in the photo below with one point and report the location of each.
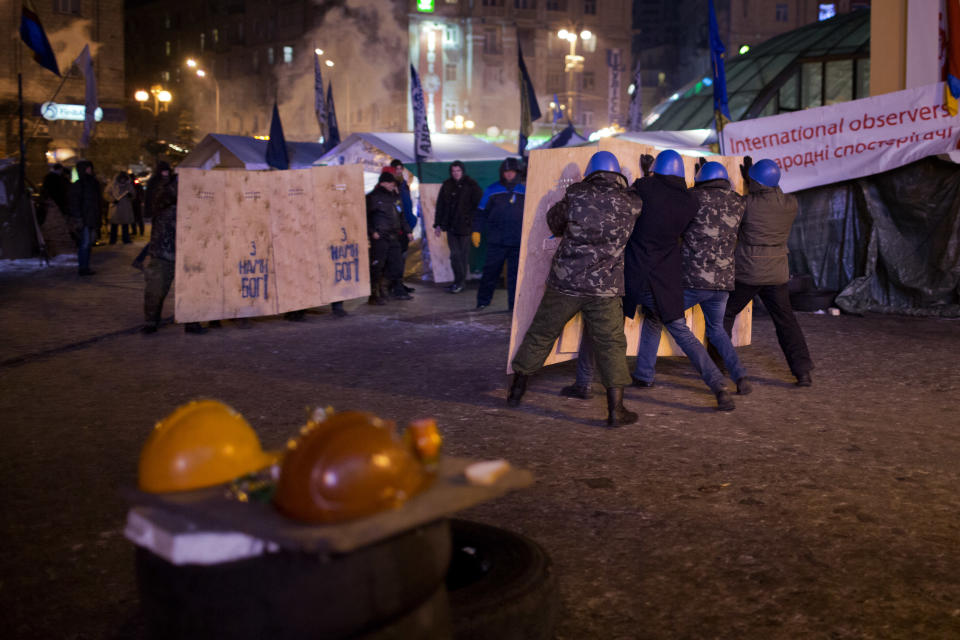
(201, 444)
(345, 466)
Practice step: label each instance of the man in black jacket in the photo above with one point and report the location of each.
(386, 226)
(458, 199)
(85, 200)
(653, 273)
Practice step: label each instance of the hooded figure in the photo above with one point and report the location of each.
(121, 193)
(499, 220)
(456, 203)
(85, 199)
(387, 228)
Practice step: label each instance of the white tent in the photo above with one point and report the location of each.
(694, 142)
(241, 152)
(376, 150)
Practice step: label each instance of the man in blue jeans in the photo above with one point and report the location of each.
(665, 281)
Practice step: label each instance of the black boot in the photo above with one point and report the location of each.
(577, 391)
(518, 386)
(617, 414)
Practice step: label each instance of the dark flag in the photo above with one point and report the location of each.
(31, 31)
(319, 104)
(529, 109)
(721, 110)
(85, 63)
(277, 147)
(333, 130)
(422, 147)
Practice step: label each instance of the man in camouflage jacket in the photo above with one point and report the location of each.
(593, 220)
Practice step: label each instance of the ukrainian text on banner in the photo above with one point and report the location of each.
(850, 139)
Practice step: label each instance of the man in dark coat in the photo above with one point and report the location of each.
(162, 172)
(593, 220)
(456, 202)
(162, 248)
(654, 273)
(762, 267)
(499, 219)
(85, 200)
(53, 193)
(386, 227)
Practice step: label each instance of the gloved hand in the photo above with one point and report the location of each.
(646, 161)
(700, 162)
(437, 232)
(745, 168)
(475, 238)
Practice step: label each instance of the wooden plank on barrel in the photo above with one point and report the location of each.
(549, 174)
(438, 247)
(341, 231)
(249, 269)
(198, 294)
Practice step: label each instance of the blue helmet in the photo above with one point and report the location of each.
(602, 161)
(766, 172)
(712, 171)
(669, 163)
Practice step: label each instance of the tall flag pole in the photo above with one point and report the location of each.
(276, 155)
(529, 109)
(952, 90)
(85, 63)
(33, 35)
(721, 110)
(319, 103)
(635, 112)
(422, 147)
(333, 129)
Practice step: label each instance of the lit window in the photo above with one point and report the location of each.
(203, 41)
(288, 55)
(588, 81)
(827, 10)
(269, 55)
(783, 13)
(165, 75)
(216, 36)
(166, 47)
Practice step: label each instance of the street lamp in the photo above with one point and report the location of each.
(161, 99)
(572, 64)
(459, 123)
(193, 64)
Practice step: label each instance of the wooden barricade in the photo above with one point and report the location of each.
(253, 243)
(549, 173)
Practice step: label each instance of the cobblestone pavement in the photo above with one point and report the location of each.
(828, 512)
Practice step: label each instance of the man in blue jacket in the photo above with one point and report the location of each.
(499, 219)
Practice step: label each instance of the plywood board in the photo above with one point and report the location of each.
(550, 172)
(438, 247)
(252, 243)
(201, 216)
(344, 262)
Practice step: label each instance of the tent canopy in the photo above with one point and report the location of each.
(374, 150)
(219, 150)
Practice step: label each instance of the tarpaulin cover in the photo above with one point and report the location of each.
(890, 243)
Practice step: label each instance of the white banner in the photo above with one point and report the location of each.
(850, 139)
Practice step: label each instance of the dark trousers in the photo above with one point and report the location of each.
(126, 233)
(386, 262)
(459, 256)
(497, 254)
(158, 276)
(776, 298)
(87, 235)
(603, 319)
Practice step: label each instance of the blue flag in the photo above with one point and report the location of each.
(333, 129)
(31, 31)
(85, 63)
(717, 51)
(422, 147)
(277, 147)
(529, 109)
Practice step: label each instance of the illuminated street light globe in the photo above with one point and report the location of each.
(562, 34)
(469, 124)
(329, 63)
(586, 34)
(164, 96)
(141, 96)
(201, 73)
(191, 63)
(319, 52)
(571, 37)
